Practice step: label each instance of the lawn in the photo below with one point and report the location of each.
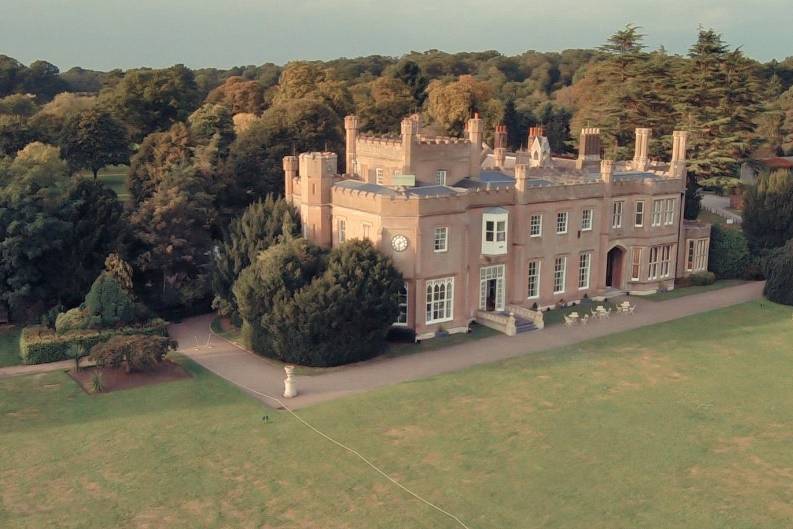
(114, 177)
(687, 291)
(9, 347)
(684, 424)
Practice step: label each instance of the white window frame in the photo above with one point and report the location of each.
(636, 263)
(404, 306)
(697, 255)
(658, 208)
(653, 263)
(616, 213)
(638, 214)
(440, 241)
(534, 269)
(666, 258)
(587, 216)
(440, 177)
(378, 176)
(559, 274)
(439, 295)
(669, 213)
(495, 228)
(584, 270)
(486, 273)
(562, 222)
(341, 227)
(537, 225)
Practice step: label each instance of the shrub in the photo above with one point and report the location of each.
(39, 345)
(71, 320)
(729, 253)
(108, 303)
(137, 352)
(341, 316)
(779, 275)
(703, 278)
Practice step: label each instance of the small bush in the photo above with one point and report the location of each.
(779, 275)
(39, 345)
(401, 335)
(137, 352)
(97, 385)
(72, 320)
(702, 279)
(108, 303)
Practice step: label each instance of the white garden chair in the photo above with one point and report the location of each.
(568, 322)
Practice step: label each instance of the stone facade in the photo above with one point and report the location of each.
(476, 230)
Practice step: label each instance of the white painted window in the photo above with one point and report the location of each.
(669, 214)
(402, 318)
(342, 230)
(494, 232)
(367, 228)
(440, 177)
(616, 214)
(534, 279)
(397, 172)
(638, 221)
(657, 212)
(559, 273)
(561, 222)
(586, 219)
(441, 239)
(535, 225)
(584, 270)
(697, 256)
(652, 270)
(378, 176)
(666, 252)
(636, 264)
(440, 300)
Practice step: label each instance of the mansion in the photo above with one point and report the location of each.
(483, 234)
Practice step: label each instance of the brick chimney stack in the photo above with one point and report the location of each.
(588, 146)
(607, 171)
(678, 165)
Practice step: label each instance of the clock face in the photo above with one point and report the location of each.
(399, 243)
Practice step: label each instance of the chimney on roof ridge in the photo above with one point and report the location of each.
(678, 165)
(607, 171)
(588, 146)
(535, 132)
(640, 156)
(500, 146)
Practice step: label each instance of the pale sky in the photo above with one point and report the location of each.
(105, 34)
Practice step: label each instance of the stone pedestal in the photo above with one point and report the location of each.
(290, 386)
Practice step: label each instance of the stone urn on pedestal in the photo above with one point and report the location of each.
(290, 388)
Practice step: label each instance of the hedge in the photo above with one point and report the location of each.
(39, 344)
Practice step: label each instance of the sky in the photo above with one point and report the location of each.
(106, 34)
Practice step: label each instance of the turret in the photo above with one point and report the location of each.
(475, 135)
(317, 171)
(351, 127)
(640, 156)
(678, 166)
(290, 176)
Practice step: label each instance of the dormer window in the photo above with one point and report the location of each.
(494, 231)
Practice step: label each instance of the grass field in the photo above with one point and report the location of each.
(687, 291)
(681, 425)
(9, 347)
(114, 177)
